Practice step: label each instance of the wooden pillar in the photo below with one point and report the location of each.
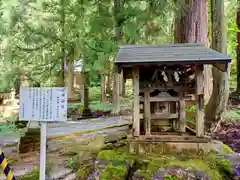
(136, 108)
(199, 101)
(116, 95)
(147, 113)
(182, 114)
(157, 107)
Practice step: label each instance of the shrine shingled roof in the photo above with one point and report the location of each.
(170, 53)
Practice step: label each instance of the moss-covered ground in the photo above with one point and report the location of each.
(83, 156)
(212, 164)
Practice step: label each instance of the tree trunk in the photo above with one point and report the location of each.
(86, 111)
(79, 84)
(60, 79)
(238, 49)
(118, 36)
(218, 101)
(86, 90)
(191, 26)
(63, 50)
(109, 83)
(70, 80)
(103, 89)
(122, 84)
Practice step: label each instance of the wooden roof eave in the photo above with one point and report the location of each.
(219, 64)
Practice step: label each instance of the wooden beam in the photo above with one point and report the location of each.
(182, 114)
(147, 113)
(199, 102)
(136, 108)
(168, 99)
(222, 67)
(161, 122)
(171, 138)
(161, 116)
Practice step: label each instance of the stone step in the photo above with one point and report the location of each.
(59, 173)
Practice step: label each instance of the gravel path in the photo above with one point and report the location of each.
(61, 128)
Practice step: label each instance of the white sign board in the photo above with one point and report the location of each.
(43, 104)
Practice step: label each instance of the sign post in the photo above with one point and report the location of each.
(44, 105)
(43, 150)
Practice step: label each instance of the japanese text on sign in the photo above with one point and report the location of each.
(43, 104)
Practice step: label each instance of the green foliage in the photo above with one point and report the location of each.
(7, 127)
(232, 114)
(232, 29)
(34, 174)
(70, 163)
(170, 177)
(34, 35)
(190, 107)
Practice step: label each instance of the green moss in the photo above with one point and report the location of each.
(145, 174)
(170, 177)
(33, 175)
(90, 130)
(83, 172)
(115, 155)
(212, 164)
(226, 149)
(224, 165)
(83, 158)
(213, 173)
(92, 145)
(114, 172)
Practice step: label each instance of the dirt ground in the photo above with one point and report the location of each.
(58, 162)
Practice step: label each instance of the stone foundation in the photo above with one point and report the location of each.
(176, 147)
(30, 141)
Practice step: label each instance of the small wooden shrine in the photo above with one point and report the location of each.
(165, 78)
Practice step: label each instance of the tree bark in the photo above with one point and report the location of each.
(191, 26)
(86, 90)
(238, 49)
(118, 36)
(86, 111)
(70, 79)
(122, 84)
(63, 50)
(109, 83)
(79, 84)
(61, 76)
(103, 89)
(218, 101)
